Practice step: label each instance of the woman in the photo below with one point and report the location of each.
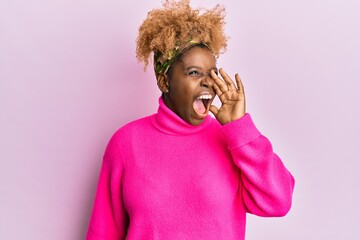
(179, 173)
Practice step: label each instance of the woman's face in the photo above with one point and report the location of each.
(190, 85)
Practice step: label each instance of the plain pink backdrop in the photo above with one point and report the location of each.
(69, 78)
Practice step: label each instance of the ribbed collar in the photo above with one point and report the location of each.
(168, 122)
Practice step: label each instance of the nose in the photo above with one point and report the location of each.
(206, 80)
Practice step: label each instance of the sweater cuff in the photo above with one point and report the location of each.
(240, 131)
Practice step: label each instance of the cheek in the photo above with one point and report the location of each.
(187, 93)
(183, 89)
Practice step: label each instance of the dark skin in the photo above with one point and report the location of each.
(195, 74)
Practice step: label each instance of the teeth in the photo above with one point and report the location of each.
(205, 97)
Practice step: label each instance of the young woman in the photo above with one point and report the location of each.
(179, 173)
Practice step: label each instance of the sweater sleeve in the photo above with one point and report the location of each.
(109, 219)
(266, 184)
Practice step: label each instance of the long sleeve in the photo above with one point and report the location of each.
(266, 185)
(109, 219)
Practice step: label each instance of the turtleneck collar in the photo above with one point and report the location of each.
(169, 122)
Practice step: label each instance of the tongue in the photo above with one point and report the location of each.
(199, 106)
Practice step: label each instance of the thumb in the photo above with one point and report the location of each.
(214, 110)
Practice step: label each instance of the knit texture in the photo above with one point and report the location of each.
(162, 178)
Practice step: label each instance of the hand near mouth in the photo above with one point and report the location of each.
(232, 98)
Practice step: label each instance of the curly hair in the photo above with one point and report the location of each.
(177, 23)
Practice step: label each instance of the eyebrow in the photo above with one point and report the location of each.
(186, 69)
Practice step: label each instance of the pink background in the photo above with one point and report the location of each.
(69, 78)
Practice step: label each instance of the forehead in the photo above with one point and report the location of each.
(198, 57)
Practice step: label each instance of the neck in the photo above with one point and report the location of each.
(169, 122)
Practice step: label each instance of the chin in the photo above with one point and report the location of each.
(195, 121)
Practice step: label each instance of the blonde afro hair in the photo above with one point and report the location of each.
(177, 23)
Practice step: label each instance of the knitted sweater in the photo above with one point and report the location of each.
(162, 178)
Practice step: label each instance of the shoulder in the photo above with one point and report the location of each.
(129, 129)
(124, 136)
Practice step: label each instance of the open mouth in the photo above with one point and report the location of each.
(202, 103)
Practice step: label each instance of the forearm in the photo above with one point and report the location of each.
(267, 185)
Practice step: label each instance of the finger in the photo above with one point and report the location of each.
(228, 80)
(223, 97)
(219, 82)
(214, 110)
(239, 84)
(217, 89)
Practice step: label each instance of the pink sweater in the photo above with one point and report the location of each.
(162, 178)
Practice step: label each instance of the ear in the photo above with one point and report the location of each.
(163, 82)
